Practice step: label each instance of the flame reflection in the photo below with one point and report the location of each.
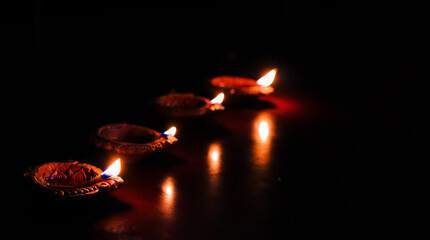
(263, 131)
(214, 162)
(214, 158)
(167, 202)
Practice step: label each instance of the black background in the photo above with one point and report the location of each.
(71, 66)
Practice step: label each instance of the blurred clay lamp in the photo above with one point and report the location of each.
(71, 179)
(127, 138)
(188, 104)
(245, 86)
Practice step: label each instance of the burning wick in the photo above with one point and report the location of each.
(112, 171)
(218, 99)
(267, 79)
(215, 104)
(170, 133)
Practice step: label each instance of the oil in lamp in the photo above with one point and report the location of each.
(72, 179)
(127, 138)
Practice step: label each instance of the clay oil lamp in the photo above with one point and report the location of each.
(74, 179)
(188, 104)
(241, 86)
(127, 138)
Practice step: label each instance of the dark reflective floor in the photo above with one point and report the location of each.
(280, 169)
(304, 163)
(231, 175)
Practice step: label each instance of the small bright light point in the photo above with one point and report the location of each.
(218, 99)
(267, 79)
(171, 132)
(112, 170)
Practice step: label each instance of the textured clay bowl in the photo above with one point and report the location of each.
(127, 138)
(72, 179)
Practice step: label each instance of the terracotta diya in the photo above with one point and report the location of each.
(71, 179)
(188, 104)
(245, 86)
(127, 138)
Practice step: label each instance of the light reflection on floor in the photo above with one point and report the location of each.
(263, 130)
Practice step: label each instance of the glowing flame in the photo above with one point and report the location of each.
(267, 79)
(171, 132)
(263, 130)
(112, 170)
(218, 99)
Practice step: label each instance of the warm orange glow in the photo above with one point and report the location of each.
(263, 130)
(214, 166)
(267, 79)
(168, 190)
(171, 132)
(168, 197)
(218, 99)
(113, 170)
(214, 158)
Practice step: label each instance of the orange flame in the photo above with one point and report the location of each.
(218, 99)
(267, 79)
(113, 170)
(171, 132)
